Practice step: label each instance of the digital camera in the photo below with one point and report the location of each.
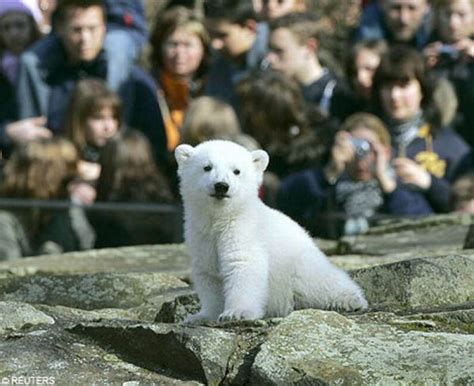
(449, 51)
(361, 147)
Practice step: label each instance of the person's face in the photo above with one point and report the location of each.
(232, 40)
(183, 52)
(404, 17)
(16, 31)
(82, 33)
(101, 126)
(366, 62)
(286, 54)
(362, 169)
(401, 101)
(455, 21)
(271, 9)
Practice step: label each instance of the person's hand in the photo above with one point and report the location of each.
(82, 193)
(342, 153)
(431, 53)
(411, 173)
(28, 129)
(88, 171)
(465, 48)
(386, 179)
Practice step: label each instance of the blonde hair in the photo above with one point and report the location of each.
(40, 169)
(209, 118)
(370, 122)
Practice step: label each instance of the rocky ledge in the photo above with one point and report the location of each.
(113, 317)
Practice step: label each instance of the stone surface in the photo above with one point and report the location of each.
(112, 317)
(422, 283)
(90, 291)
(17, 316)
(319, 347)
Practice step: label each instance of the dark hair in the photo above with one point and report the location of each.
(170, 21)
(64, 6)
(232, 11)
(303, 25)
(400, 65)
(378, 46)
(272, 104)
(129, 173)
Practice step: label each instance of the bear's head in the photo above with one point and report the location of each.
(219, 172)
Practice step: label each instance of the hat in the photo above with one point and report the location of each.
(29, 7)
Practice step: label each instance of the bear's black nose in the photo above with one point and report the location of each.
(221, 187)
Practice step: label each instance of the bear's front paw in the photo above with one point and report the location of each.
(197, 318)
(239, 314)
(355, 302)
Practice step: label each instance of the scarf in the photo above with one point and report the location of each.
(404, 133)
(9, 66)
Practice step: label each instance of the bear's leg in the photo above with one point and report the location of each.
(209, 291)
(245, 286)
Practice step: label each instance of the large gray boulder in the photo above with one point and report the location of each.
(17, 316)
(320, 347)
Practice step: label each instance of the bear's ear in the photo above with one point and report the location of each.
(260, 160)
(183, 152)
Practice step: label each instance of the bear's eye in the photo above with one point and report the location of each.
(236, 172)
(207, 168)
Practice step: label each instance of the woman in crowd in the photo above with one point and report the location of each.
(355, 185)
(426, 153)
(41, 169)
(93, 117)
(179, 60)
(18, 30)
(129, 175)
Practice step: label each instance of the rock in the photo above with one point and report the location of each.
(320, 347)
(419, 284)
(441, 233)
(91, 291)
(178, 309)
(197, 353)
(18, 316)
(469, 242)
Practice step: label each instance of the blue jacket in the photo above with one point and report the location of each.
(307, 196)
(128, 14)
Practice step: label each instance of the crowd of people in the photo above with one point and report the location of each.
(94, 98)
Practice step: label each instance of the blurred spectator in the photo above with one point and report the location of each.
(47, 77)
(397, 21)
(209, 118)
(451, 55)
(18, 30)
(356, 183)
(426, 152)
(293, 50)
(241, 45)
(47, 8)
(180, 59)
(41, 169)
(129, 174)
(274, 112)
(94, 115)
(462, 194)
(271, 9)
(361, 64)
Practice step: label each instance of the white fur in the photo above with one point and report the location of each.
(250, 261)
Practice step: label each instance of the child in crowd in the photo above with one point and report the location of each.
(357, 183)
(94, 116)
(41, 169)
(271, 9)
(129, 175)
(180, 58)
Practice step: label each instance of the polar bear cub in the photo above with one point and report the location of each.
(250, 261)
